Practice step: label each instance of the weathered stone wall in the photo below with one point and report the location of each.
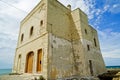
(58, 22)
(60, 58)
(60, 50)
(77, 35)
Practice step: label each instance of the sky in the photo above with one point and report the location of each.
(103, 15)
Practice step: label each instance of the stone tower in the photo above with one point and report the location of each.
(57, 43)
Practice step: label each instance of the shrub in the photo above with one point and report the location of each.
(41, 78)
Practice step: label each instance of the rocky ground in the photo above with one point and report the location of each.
(110, 75)
(17, 77)
(31, 77)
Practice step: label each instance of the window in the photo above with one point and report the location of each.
(91, 67)
(85, 31)
(19, 56)
(41, 22)
(88, 47)
(31, 31)
(95, 42)
(22, 36)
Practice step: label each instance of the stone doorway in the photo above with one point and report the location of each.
(29, 62)
(19, 63)
(39, 61)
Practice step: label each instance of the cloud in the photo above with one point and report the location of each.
(7, 40)
(7, 50)
(109, 39)
(115, 8)
(6, 57)
(86, 6)
(25, 5)
(11, 13)
(110, 43)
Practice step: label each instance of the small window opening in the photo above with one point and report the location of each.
(22, 36)
(95, 42)
(20, 56)
(31, 31)
(85, 31)
(91, 67)
(88, 47)
(41, 22)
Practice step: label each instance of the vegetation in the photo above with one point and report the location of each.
(41, 78)
(14, 74)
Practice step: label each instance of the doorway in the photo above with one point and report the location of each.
(29, 62)
(91, 67)
(19, 63)
(39, 61)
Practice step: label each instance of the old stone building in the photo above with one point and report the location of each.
(56, 42)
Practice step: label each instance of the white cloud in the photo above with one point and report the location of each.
(66, 2)
(110, 43)
(10, 16)
(115, 8)
(86, 6)
(106, 7)
(12, 12)
(6, 57)
(25, 5)
(98, 11)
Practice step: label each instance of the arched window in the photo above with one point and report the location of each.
(95, 42)
(41, 22)
(22, 36)
(31, 31)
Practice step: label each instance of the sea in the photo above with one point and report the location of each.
(7, 71)
(113, 67)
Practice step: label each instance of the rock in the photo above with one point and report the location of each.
(118, 76)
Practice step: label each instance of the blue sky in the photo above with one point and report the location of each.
(104, 15)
